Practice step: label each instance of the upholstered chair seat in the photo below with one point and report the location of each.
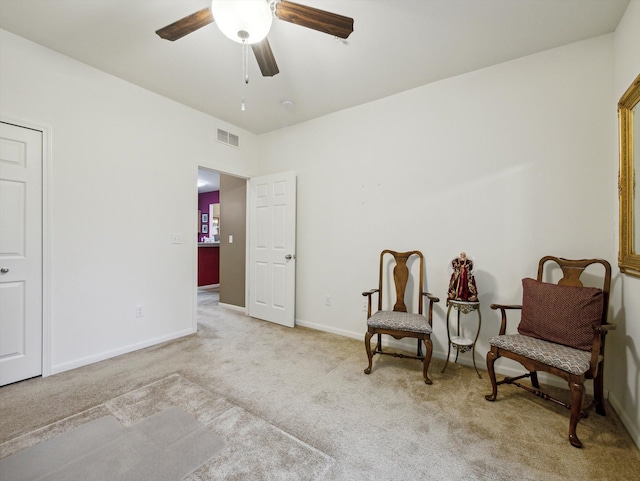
(404, 321)
(566, 358)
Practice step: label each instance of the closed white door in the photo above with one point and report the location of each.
(20, 253)
(272, 253)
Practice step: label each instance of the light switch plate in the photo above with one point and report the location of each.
(176, 238)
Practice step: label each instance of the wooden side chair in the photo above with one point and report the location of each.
(398, 322)
(562, 332)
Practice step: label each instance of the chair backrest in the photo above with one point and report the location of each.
(401, 278)
(571, 272)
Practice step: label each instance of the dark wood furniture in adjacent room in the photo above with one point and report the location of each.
(208, 264)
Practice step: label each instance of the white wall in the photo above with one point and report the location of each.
(123, 180)
(509, 163)
(624, 360)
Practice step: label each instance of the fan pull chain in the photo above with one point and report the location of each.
(245, 70)
(245, 61)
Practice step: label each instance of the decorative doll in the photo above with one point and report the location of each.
(462, 286)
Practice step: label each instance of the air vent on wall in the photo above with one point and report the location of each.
(227, 138)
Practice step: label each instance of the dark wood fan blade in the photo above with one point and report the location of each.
(310, 17)
(186, 25)
(265, 58)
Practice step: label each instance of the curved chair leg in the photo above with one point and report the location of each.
(577, 395)
(427, 359)
(491, 358)
(534, 379)
(367, 345)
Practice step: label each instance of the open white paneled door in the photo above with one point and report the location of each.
(21, 258)
(272, 248)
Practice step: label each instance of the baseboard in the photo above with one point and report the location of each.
(464, 358)
(632, 427)
(331, 330)
(233, 307)
(67, 366)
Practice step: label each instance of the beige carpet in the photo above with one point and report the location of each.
(165, 446)
(254, 448)
(309, 387)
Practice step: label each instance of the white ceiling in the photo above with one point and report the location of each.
(210, 180)
(396, 45)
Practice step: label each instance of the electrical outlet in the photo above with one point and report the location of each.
(139, 310)
(364, 306)
(176, 238)
(327, 300)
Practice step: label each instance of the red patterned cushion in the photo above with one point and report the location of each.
(562, 314)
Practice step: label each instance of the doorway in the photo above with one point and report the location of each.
(232, 237)
(271, 252)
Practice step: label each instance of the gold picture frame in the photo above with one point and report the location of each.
(628, 111)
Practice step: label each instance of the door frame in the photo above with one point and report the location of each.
(46, 234)
(244, 310)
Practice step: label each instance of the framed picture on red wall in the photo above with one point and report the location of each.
(205, 218)
(205, 229)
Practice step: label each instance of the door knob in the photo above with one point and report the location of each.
(4, 270)
(289, 257)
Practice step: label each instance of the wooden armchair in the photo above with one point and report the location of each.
(397, 322)
(562, 331)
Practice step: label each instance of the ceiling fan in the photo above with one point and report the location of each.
(249, 21)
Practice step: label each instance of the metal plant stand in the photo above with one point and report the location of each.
(460, 342)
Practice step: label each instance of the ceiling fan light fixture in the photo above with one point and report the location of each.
(243, 20)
